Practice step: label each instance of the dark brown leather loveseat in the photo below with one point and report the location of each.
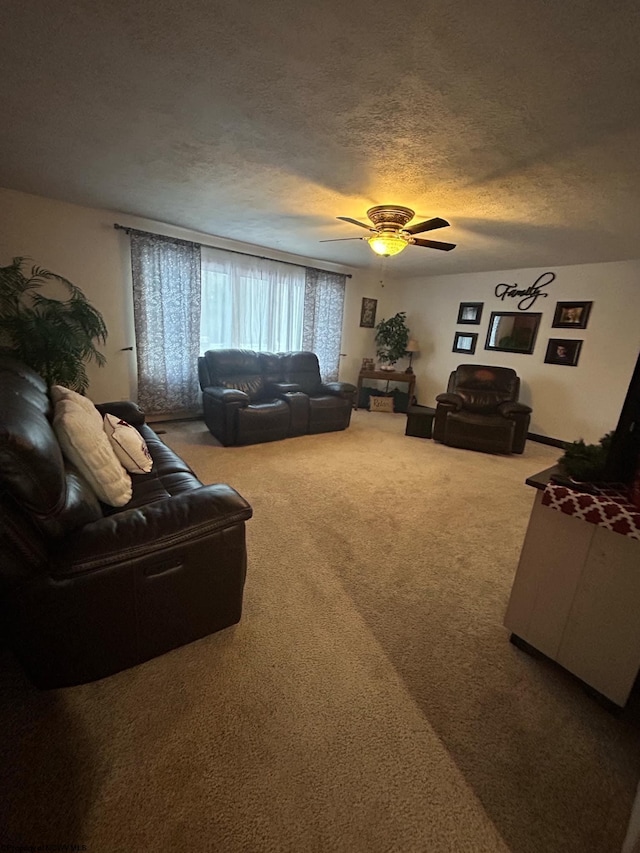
(87, 590)
(251, 397)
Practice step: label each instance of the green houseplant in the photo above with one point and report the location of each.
(56, 337)
(392, 336)
(586, 462)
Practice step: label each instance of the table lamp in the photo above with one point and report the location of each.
(412, 346)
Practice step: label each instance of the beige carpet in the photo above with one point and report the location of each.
(368, 702)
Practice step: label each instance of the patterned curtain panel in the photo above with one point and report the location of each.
(166, 304)
(323, 309)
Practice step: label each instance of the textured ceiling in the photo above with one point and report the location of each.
(518, 122)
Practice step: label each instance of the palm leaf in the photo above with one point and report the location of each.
(54, 336)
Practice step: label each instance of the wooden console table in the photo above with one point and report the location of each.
(386, 376)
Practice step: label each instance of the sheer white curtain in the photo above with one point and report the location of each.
(250, 303)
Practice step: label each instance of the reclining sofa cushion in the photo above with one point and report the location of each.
(236, 369)
(330, 404)
(303, 370)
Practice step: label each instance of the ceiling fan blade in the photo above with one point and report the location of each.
(341, 239)
(434, 244)
(427, 225)
(355, 222)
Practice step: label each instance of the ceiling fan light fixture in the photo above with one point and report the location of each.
(387, 244)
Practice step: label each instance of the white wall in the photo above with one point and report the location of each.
(568, 402)
(359, 342)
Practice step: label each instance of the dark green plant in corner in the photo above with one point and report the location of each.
(56, 337)
(392, 336)
(586, 462)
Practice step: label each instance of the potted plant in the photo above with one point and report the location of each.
(585, 463)
(392, 336)
(56, 337)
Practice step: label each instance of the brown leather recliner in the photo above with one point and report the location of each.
(87, 590)
(480, 410)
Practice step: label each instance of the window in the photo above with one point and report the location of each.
(249, 303)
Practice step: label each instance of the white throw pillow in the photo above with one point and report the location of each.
(59, 392)
(84, 443)
(128, 445)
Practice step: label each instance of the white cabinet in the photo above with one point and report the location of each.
(576, 598)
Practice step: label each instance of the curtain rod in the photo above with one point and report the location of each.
(129, 229)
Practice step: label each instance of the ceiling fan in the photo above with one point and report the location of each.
(392, 234)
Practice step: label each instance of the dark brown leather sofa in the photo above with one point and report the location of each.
(480, 410)
(87, 590)
(250, 397)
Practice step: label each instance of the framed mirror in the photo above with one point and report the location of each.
(512, 331)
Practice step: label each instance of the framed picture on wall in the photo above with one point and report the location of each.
(470, 312)
(368, 312)
(465, 342)
(571, 315)
(563, 351)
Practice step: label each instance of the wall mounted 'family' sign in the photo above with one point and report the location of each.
(527, 295)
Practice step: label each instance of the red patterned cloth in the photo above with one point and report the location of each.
(609, 507)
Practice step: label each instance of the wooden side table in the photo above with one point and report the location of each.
(386, 376)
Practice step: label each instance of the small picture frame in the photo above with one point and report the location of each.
(563, 351)
(368, 365)
(368, 313)
(380, 404)
(571, 315)
(470, 312)
(465, 342)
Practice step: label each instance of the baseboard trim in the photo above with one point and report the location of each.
(167, 419)
(545, 439)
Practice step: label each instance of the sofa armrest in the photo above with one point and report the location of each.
(452, 401)
(152, 529)
(339, 389)
(280, 388)
(126, 410)
(510, 408)
(226, 395)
